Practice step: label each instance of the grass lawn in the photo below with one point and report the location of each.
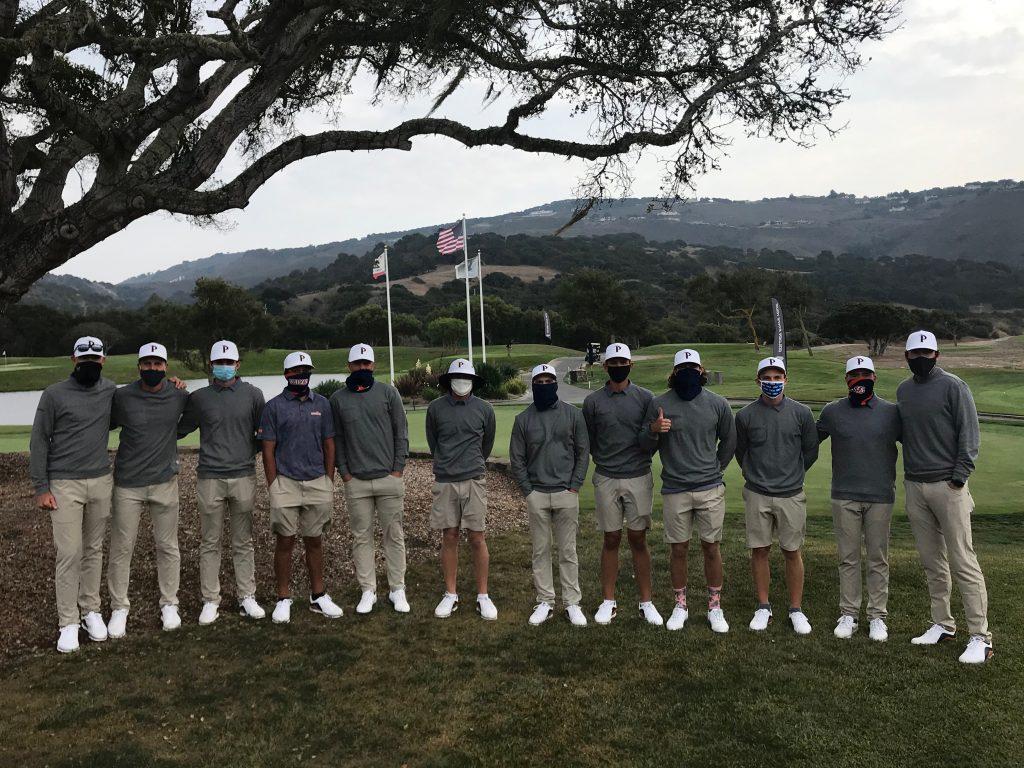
(27, 373)
(412, 690)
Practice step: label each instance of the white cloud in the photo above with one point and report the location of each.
(940, 103)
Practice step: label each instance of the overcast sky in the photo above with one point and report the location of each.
(940, 103)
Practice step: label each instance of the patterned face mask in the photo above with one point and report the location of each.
(772, 388)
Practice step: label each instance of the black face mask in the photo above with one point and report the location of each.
(545, 395)
(861, 391)
(87, 372)
(619, 373)
(921, 366)
(152, 378)
(298, 385)
(359, 381)
(687, 383)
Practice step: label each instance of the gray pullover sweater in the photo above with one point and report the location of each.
(549, 450)
(371, 437)
(941, 435)
(775, 446)
(460, 434)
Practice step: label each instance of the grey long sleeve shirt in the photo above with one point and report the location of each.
(775, 446)
(941, 435)
(147, 453)
(460, 434)
(70, 433)
(227, 418)
(613, 422)
(549, 450)
(371, 431)
(700, 445)
(864, 448)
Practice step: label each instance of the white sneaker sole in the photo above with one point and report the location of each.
(282, 621)
(112, 636)
(485, 618)
(69, 650)
(325, 615)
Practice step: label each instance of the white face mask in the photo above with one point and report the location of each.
(462, 387)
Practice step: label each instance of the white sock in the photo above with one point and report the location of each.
(482, 596)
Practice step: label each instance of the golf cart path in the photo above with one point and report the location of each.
(568, 393)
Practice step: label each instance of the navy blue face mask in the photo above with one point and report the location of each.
(687, 383)
(545, 395)
(359, 381)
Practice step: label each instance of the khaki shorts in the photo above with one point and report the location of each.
(766, 515)
(705, 508)
(617, 499)
(301, 506)
(461, 504)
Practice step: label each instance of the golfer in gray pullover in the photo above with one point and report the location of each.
(549, 453)
(940, 446)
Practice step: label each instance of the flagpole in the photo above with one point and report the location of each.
(480, 275)
(387, 288)
(469, 317)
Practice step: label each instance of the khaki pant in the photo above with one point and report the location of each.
(217, 496)
(301, 506)
(384, 496)
(940, 518)
(560, 513)
(617, 499)
(79, 526)
(162, 501)
(855, 522)
(462, 504)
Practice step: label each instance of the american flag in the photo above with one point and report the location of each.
(450, 240)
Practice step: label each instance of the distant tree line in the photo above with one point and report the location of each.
(619, 286)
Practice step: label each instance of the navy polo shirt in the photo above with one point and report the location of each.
(299, 426)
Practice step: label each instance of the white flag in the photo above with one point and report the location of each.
(380, 266)
(547, 326)
(474, 269)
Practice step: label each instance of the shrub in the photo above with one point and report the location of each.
(429, 393)
(413, 381)
(492, 381)
(515, 386)
(328, 387)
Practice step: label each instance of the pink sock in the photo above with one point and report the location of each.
(681, 597)
(714, 598)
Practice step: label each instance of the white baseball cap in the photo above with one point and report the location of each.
(224, 350)
(361, 352)
(461, 366)
(922, 340)
(153, 350)
(88, 346)
(295, 359)
(858, 363)
(617, 350)
(686, 356)
(772, 362)
(543, 368)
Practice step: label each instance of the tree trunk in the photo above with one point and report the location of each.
(803, 330)
(749, 314)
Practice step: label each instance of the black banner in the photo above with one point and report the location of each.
(779, 345)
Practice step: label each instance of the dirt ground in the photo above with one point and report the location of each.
(28, 618)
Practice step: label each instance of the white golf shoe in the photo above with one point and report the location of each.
(606, 611)
(282, 611)
(67, 641)
(118, 624)
(877, 631)
(250, 609)
(800, 623)
(366, 602)
(762, 617)
(716, 618)
(209, 614)
(486, 608)
(541, 614)
(576, 617)
(979, 650)
(650, 614)
(845, 627)
(92, 623)
(325, 607)
(170, 618)
(678, 618)
(934, 635)
(449, 604)
(398, 601)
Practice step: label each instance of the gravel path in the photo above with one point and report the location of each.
(28, 615)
